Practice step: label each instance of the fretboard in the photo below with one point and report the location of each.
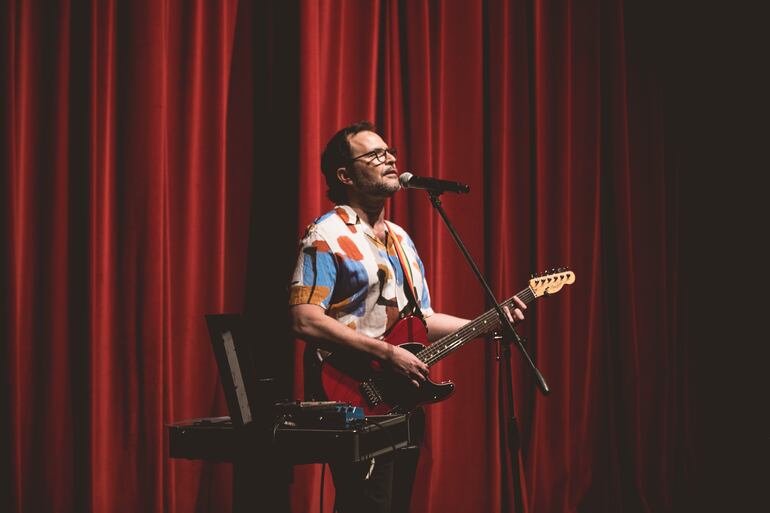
(478, 327)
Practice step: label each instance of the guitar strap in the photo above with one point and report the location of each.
(409, 287)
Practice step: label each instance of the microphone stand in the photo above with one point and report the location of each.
(514, 442)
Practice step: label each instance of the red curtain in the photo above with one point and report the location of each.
(162, 158)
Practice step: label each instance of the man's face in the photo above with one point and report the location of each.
(368, 176)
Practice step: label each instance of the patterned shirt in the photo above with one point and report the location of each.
(344, 268)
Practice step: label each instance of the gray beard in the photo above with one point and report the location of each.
(382, 190)
(379, 190)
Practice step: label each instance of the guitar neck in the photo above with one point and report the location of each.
(478, 327)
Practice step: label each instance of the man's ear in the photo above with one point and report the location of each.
(344, 176)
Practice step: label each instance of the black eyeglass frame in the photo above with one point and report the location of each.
(379, 154)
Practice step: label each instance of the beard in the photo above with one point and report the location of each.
(377, 188)
(383, 190)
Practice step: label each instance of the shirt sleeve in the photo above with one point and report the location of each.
(315, 273)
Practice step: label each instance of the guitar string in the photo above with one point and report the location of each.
(466, 334)
(460, 338)
(444, 346)
(450, 341)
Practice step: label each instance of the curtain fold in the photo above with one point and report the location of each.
(161, 158)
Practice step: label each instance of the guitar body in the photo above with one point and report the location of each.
(353, 378)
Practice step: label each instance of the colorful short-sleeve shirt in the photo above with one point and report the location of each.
(344, 268)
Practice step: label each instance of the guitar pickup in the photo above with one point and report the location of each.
(371, 393)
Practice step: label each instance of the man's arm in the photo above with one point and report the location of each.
(441, 325)
(310, 323)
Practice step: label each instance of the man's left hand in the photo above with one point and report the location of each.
(518, 313)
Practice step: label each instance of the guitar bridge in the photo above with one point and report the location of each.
(371, 393)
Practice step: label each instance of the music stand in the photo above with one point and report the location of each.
(259, 480)
(236, 367)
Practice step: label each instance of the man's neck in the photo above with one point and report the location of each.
(371, 212)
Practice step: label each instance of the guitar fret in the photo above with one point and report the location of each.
(482, 325)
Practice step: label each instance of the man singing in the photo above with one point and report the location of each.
(356, 276)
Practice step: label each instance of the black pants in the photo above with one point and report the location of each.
(387, 490)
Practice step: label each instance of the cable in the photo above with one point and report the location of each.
(281, 420)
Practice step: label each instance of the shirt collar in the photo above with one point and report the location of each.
(348, 215)
(350, 218)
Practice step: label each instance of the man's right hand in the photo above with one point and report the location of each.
(407, 364)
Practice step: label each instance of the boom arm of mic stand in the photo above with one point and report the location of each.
(506, 323)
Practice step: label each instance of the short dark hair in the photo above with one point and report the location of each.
(337, 154)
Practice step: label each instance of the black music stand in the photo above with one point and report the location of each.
(236, 367)
(259, 476)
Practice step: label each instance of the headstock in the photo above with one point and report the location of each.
(551, 282)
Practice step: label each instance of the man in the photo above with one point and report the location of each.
(350, 287)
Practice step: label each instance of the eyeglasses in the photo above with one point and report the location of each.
(379, 155)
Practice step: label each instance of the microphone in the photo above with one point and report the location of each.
(409, 181)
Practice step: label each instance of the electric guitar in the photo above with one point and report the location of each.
(354, 378)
